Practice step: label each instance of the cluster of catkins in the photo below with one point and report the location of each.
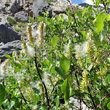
(88, 55)
(35, 38)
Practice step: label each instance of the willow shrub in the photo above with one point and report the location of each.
(61, 59)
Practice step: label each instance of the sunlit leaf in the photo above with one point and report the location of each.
(108, 105)
(65, 64)
(66, 89)
(57, 102)
(99, 23)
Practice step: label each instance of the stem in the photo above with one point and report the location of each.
(7, 98)
(23, 98)
(73, 13)
(46, 93)
(74, 18)
(10, 101)
(99, 106)
(91, 96)
(105, 7)
(53, 88)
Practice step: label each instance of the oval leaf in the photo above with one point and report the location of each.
(60, 72)
(65, 64)
(66, 89)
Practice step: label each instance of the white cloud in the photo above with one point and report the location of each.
(88, 1)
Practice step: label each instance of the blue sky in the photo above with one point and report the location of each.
(77, 1)
(82, 1)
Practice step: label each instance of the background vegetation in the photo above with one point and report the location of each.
(62, 59)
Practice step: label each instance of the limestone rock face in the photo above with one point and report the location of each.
(21, 16)
(7, 34)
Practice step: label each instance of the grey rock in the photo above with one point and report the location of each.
(76, 104)
(28, 8)
(21, 16)
(7, 34)
(8, 48)
(59, 7)
(15, 7)
(40, 6)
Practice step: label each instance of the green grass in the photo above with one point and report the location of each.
(11, 21)
(22, 24)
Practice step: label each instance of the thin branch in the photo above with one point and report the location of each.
(53, 89)
(46, 93)
(73, 13)
(91, 96)
(105, 6)
(96, 93)
(10, 101)
(24, 98)
(99, 106)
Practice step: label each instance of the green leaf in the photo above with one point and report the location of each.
(66, 89)
(60, 72)
(17, 64)
(99, 23)
(54, 41)
(84, 11)
(57, 102)
(65, 64)
(8, 56)
(108, 78)
(108, 105)
(2, 94)
(97, 3)
(108, 17)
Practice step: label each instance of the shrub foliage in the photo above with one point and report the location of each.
(61, 59)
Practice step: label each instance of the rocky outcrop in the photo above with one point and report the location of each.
(15, 7)
(40, 6)
(8, 48)
(7, 34)
(21, 16)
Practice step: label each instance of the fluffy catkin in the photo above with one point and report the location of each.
(3, 67)
(40, 34)
(30, 37)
